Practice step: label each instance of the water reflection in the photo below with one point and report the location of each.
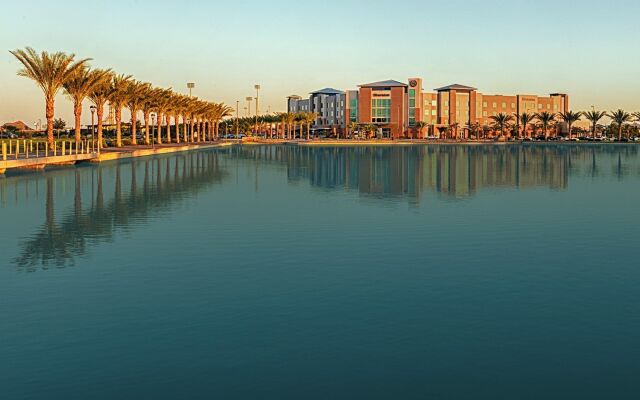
(140, 190)
(451, 170)
(88, 205)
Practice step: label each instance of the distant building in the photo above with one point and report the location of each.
(18, 126)
(395, 107)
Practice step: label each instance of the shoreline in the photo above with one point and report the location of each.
(106, 155)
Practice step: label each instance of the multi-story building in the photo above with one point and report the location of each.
(328, 104)
(395, 107)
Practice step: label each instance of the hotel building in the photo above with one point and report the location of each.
(395, 107)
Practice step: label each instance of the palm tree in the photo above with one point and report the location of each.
(570, 118)
(78, 86)
(594, 116)
(525, 119)
(420, 125)
(309, 119)
(117, 100)
(99, 96)
(148, 105)
(50, 72)
(353, 126)
(219, 111)
(546, 119)
(501, 121)
(620, 117)
(161, 102)
(135, 93)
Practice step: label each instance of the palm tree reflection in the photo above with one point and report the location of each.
(59, 243)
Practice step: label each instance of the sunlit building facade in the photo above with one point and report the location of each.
(399, 108)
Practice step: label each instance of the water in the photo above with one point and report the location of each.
(278, 272)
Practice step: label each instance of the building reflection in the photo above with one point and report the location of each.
(119, 197)
(456, 171)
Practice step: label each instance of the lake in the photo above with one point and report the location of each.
(309, 272)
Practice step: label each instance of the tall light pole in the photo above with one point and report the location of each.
(237, 117)
(93, 127)
(257, 87)
(190, 85)
(153, 123)
(249, 100)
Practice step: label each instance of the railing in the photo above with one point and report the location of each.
(27, 148)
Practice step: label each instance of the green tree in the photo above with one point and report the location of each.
(546, 119)
(50, 72)
(594, 117)
(117, 100)
(79, 85)
(501, 121)
(620, 117)
(570, 118)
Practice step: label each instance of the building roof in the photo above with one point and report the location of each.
(327, 91)
(382, 84)
(19, 125)
(455, 86)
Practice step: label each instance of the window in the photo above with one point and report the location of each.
(434, 103)
(495, 104)
(484, 104)
(434, 113)
(412, 102)
(446, 103)
(412, 93)
(380, 110)
(548, 106)
(539, 106)
(484, 113)
(513, 105)
(504, 105)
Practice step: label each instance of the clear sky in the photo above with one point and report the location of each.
(586, 48)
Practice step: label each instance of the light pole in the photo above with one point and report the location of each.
(237, 117)
(153, 123)
(190, 85)
(249, 100)
(93, 127)
(257, 87)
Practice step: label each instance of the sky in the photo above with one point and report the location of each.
(586, 48)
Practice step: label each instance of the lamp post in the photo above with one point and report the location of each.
(257, 88)
(153, 123)
(237, 116)
(190, 85)
(93, 127)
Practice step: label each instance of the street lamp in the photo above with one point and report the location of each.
(93, 127)
(153, 124)
(190, 85)
(249, 100)
(237, 117)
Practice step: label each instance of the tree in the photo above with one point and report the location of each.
(546, 119)
(309, 119)
(117, 100)
(134, 93)
(594, 116)
(353, 127)
(99, 95)
(50, 72)
(80, 85)
(620, 117)
(58, 125)
(420, 125)
(570, 118)
(525, 119)
(501, 121)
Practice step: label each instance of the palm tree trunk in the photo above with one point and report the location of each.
(185, 131)
(619, 132)
(159, 126)
(49, 110)
(119, 127)
(176, 117)
(168, 132)
(77, 112)
(146, 127)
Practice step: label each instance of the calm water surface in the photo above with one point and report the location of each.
(277, 272)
